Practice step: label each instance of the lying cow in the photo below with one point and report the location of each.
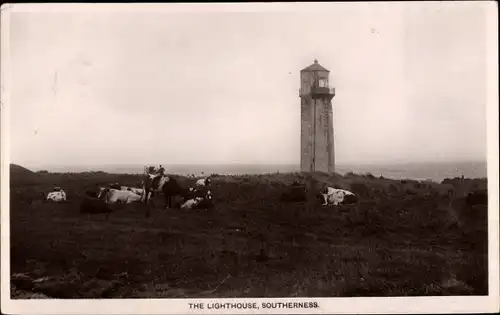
(336, 196)
(57, 196)
(203, 182)
(191, 193)
(191, 203)
(205, 202)
(111, 195)
(132, 189)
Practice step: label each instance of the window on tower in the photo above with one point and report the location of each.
(323, 83)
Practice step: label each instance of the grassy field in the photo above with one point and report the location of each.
(401, 239)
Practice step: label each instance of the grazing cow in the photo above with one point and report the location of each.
(204, 182)
(118, 196)
(57, 195)
(94, 206)
(336, 196)
(478, 197)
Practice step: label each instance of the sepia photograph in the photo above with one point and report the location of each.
(249, 158)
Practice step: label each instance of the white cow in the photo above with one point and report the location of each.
(336, 196)
(202, 182)
(191, 203)
(132, 189)
(111, 195)
(57, 196)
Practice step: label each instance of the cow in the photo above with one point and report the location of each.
(164, 184)
(172, 189)
(204, 182)
(190, 203)
(206, 201)
(93, 206)
(132, 189)
(198, 202)
(152, 183)
(57, 195)
(111, 195)
(191, 192)
(335, 196)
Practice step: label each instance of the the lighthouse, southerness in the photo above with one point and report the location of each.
(316, 135)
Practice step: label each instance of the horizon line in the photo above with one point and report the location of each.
(379, 163)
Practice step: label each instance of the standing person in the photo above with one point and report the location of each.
(150, 170)
(161, 170)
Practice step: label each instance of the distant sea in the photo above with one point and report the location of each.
(420, 171)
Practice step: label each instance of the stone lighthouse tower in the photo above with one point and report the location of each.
(316, 135)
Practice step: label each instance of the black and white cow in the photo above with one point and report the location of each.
(199, 202)
(157, 183)
(57, 195)
(204, 182)
(334, 196)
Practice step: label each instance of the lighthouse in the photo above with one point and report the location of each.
(316, 135)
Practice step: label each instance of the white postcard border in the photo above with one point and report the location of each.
(455, 304)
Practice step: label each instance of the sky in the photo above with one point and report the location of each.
(155, 86)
